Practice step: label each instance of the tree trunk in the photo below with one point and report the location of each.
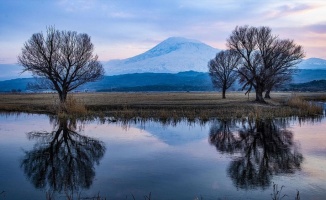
(259, 95)
(63, 97)
(223, 92)
(267, 94)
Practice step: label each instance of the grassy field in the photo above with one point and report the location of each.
(203, 105)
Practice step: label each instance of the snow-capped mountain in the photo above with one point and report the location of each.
(173, 55)
(313, 63)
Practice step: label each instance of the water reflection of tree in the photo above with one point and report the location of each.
(265, 148)
(62, 160)
(222, 137)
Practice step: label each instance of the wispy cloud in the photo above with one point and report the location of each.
(76, 5)
(122, 15)
(317, 28)
(289, 9)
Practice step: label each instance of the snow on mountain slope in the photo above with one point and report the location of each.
(12, 71)
(313, 63)
(173, 55)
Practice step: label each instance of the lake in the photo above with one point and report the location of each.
(46, 158)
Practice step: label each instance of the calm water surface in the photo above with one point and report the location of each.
(217, 160)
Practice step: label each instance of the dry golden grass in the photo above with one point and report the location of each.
(72, 107)
(307, 108)
(193, 105)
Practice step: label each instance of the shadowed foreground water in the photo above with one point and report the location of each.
(42, 156)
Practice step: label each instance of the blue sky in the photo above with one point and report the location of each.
(124, 28)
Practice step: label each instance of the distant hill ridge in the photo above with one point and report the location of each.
(312, 86)
(182, 81)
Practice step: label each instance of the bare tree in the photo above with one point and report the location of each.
(264, 57)
(63, 60)
(222, 69)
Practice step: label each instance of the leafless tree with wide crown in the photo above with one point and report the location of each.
(63, 60)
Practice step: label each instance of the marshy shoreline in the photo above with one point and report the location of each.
(168, 105)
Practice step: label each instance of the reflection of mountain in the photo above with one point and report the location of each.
(62, 160)
(175, 135)
(265, 149)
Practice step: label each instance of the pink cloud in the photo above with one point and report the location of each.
(285, 10)
(311, 37)
(317, 28)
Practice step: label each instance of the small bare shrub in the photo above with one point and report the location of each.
(276, 195)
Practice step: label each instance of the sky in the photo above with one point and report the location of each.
(125, 28)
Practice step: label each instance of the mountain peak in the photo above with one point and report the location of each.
(179, 40)
(173, 44)
(172, 55)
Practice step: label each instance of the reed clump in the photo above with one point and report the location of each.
(305, 107)
(72, 107)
